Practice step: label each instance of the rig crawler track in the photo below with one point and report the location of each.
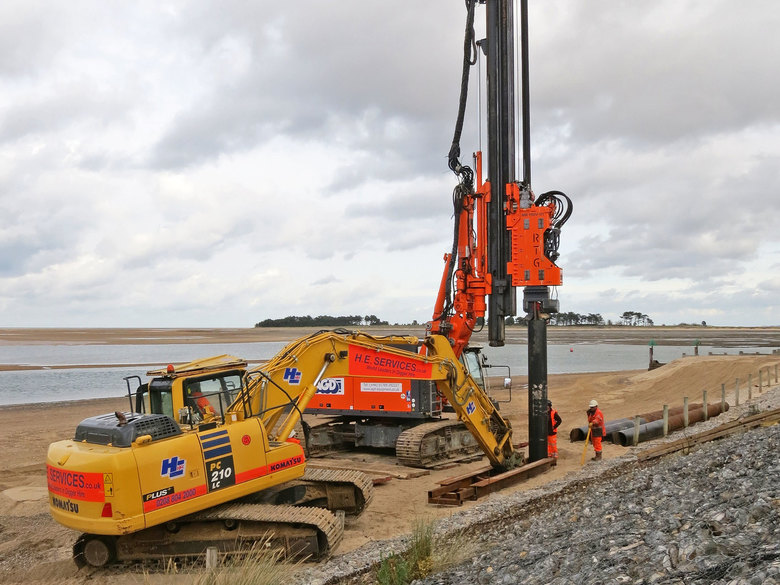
(435, 443)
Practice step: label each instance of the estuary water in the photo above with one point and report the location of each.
(79, 383)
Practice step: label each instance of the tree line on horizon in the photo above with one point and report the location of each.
(322, 321)
(569, 318)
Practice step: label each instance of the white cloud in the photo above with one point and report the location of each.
(188, 163)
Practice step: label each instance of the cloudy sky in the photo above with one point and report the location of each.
(192, 163)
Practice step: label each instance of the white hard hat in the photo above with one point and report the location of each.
(593, 404)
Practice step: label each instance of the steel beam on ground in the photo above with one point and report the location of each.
(455, 490)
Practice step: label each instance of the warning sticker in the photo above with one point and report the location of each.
(108, 484)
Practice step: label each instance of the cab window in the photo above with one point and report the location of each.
(212, 395)
(470, 361)
(161, 397)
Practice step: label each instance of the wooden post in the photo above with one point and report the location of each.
(636, 431)
(775, 373)
(722, 398)
(750, 386)
(666, 419)
(651, 343)
(704, 404)
(685, 412)
(736, 393)
(760, 381)
(212, 559)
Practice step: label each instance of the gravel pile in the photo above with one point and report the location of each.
(710, 516)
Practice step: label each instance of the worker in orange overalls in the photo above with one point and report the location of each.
(552, 430)
(202, 404)
(596, 425)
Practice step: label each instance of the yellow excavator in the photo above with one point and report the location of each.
(207, 454)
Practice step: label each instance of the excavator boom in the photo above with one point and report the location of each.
(384, 361)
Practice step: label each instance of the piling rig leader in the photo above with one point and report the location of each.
(505, 237)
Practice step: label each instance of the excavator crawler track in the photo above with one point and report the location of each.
(287, 523)
(435, 443)
(274, 515)
(299, 531)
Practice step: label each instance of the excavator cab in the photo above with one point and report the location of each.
(476, 364)
(473, 360)
(192, 393)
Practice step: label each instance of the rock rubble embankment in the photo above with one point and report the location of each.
(705, 517)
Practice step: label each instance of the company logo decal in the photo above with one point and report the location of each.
(87, 487)
(364, 362)
(257, 472)
(168, 497)
(173, 467)
(331, 386)
(290, 462)
(292, 376)
(158, 494)
(66, 505)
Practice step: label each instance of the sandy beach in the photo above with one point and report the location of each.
(34, 549)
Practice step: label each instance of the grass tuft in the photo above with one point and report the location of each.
(425, 556)
(263, 564)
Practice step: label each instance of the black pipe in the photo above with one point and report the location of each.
(525, 102)
(579, 434)
(538, 418)
(655, 429)
(502, 300)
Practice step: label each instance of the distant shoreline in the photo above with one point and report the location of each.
(27, 368)
(760, 338)
(657, 335)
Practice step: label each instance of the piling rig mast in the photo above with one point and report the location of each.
(505, 236)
